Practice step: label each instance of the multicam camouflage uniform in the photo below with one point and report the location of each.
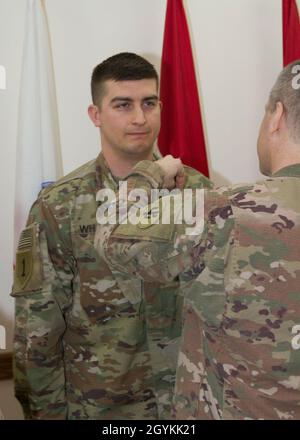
(90, 343)
(240, 350)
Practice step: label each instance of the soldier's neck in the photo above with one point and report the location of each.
(288, 155)
(120, 164)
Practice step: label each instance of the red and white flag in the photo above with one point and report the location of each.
(291, 30)
(181, 131)
(38, 160)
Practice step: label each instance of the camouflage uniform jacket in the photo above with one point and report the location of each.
(90, 343)
(239, 355)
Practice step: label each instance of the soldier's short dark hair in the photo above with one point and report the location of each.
(287, 91)
(124, 66)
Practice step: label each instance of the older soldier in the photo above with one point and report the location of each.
(91, 343)
(240, 349)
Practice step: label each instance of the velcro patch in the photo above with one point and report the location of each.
(23, 269)
(151, 232)
(24, 258)
(156, 221)
(27, 272)
(26, 239)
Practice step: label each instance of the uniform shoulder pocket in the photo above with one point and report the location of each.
(28, 268)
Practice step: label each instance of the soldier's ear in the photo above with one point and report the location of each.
(94, 114)
(277, 118)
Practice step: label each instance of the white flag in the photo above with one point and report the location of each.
(38, 146)
(2, 78)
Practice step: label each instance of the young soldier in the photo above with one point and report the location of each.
(91, 343)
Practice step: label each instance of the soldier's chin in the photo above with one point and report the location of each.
(140, 149)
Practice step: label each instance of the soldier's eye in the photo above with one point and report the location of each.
(150, 104)
(123, 105)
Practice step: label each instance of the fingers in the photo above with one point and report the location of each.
(171, 166)
(180, 176)
(173, 172)
(180, 181)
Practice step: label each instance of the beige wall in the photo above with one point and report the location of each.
(238, 53)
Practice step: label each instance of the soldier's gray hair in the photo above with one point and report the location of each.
(287, 90)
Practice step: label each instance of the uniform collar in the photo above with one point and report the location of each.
(104, 177)
(289, 171)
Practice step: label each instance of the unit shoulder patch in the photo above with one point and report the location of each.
(27, 273)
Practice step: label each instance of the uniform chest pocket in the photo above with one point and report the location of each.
(104, 295)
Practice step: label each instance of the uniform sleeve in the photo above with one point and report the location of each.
(196, 180)
(43, 292)
(149, 250)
